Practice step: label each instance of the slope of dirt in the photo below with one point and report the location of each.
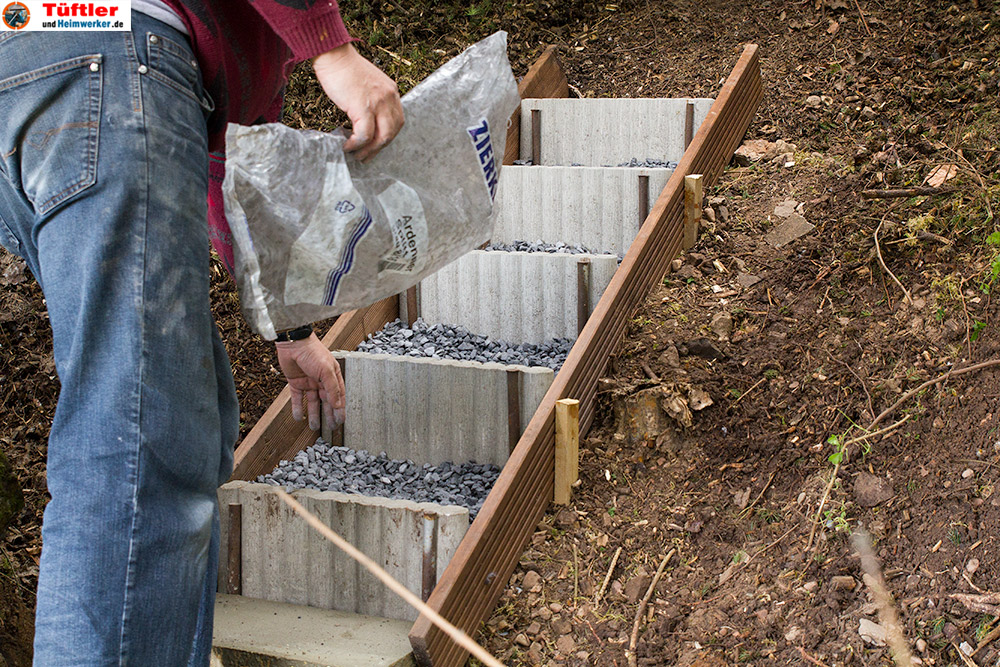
(799, 348)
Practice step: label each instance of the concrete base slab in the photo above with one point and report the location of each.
(599, 208)
(273, 634)
(608, 132)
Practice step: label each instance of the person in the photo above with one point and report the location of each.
(110, 164)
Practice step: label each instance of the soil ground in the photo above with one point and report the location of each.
(800, 348)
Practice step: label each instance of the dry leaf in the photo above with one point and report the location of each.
(940, 174)
(834, 27)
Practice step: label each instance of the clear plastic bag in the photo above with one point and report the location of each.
(317, 232)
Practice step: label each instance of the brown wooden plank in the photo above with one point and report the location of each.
(277, 436)
(480, 569)
(545, 78)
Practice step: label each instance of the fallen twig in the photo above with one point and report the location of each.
(756, 500)
(885, 268)
(965, 659)
(864, 21)
(755, 385)
(808, 658)
(632, 661)
(456, 635)
(862, 438)
(905, 192)
(982, 604)
(887, 613)
(989, 637)
(649, 371)
(941, 378)
(607, 577)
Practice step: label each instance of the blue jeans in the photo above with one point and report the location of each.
(103, 181)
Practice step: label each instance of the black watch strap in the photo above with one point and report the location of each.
(294, 334)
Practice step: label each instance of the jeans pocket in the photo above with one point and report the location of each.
(49, 138)
(174, 65)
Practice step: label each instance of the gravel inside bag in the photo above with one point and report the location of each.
(328, 468)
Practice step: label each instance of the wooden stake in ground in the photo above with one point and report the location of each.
(456, 635)
(567, 449)
(693, 200)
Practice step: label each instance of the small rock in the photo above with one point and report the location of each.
(967, 473)
(746, 280)
(871, 632)
(671, 357)
(722, 325)
(868, 113)
(535, 653)
(921, 645)
(566, 644)
(708, 213)
(785, 208)
(793, 633)
(531, 580)
(810, 586)
(793, 228)
(562, 627)
(522, 640)
(843, 583)
(676, 264)
(556, 607)
(636, 587)
(752, 150)
(814, 101)
(972, 565)
(870, 490)
(533, 628)
(938, 423)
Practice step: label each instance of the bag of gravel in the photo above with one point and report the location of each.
(317, 232)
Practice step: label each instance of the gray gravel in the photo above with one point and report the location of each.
(328, 468)
(443, 341)
(648, 163)
(541, 246)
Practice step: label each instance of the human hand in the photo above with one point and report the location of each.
(314, 375)
(366, 94)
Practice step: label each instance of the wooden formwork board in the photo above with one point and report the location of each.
(480, 570)
(277, 436)
(544, 79)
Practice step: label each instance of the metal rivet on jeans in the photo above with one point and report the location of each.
(94, 67)
(153, 39)
(143, 69)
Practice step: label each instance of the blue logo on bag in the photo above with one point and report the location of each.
(345, 206)
(481, 139)
(347, 258)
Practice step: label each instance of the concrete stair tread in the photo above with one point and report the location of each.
(274, 634)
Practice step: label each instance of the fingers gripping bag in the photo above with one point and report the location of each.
(316, 232)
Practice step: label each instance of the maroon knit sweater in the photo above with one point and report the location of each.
(246, 49)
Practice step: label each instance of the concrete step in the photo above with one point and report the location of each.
(257, 633)
(519, 297)
(597, 207)
(282, 559)
(436, 410)
(608, 132)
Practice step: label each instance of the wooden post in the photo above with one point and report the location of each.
(234, 578)
(688, 124)
(412, 306)
(334, 434)
(567, 449)
(643, 198)
(693, 196)
(536, 137)
(583, 274)
(513, 407)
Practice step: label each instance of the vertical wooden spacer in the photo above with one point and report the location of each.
(693, 196)
(536, 137)
(412, 306)
(567, 449)
(688, 124)
(234, 578)
(429, 569)
(583, 280)
(643, 198)
(513, 407)
(334, 433)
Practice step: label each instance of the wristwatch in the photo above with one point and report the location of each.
(294, 334)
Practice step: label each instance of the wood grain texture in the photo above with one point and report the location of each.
(478, 573)
(567, 449)
(277, 436)
(545, 78)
